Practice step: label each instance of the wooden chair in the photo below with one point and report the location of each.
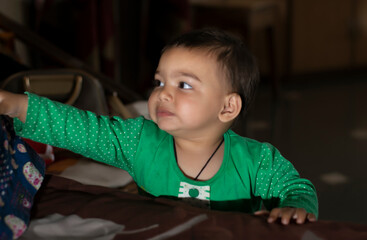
(70, 86)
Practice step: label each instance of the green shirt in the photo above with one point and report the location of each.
(251, 172)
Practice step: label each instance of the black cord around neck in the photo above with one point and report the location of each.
(207, 162)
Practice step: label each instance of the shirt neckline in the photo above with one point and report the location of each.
(182, 176)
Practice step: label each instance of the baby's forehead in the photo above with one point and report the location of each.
(206, 55)
(202, 50)
(211, 54)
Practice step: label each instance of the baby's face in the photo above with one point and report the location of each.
(189, 93)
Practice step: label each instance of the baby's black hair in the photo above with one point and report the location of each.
(232, 54)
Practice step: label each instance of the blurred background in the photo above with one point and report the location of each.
(311, 102)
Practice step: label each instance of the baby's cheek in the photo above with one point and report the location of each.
(151, 109)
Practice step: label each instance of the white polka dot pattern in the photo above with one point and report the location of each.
(278, 179)
(111, 140)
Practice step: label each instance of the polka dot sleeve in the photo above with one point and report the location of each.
(279, 184)
(110, 140)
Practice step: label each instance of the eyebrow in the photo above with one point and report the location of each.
(184, 74)
(190, 75)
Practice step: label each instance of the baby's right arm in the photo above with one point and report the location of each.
(13, 105)
(111, 140)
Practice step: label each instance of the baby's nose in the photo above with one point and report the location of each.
(165, 94)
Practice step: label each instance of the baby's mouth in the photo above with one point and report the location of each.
(164, 113)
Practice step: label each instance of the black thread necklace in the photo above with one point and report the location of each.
(174, 147)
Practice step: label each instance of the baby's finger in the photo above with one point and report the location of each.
(311, 217)
(300, 215)
(274, 215)
(261, 212)
(287, 214)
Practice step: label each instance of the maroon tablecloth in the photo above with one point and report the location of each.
(174, 220)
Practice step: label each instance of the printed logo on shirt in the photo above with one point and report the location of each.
(188, 190)
(198, 196)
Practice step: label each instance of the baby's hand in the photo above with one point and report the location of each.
(13, 105)
(300, 215)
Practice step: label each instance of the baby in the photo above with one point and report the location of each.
(204, 80)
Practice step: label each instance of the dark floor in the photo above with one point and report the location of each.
(321, 127)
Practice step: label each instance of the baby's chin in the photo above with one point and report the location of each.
(167, 127)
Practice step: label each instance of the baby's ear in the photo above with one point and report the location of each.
(231, 107)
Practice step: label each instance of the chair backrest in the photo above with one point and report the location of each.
(71, 86)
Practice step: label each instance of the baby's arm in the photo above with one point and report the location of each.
(13, 105)
(286, 194)
(111, 140)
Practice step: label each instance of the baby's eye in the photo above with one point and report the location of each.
(158, 83)
(185, 85)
